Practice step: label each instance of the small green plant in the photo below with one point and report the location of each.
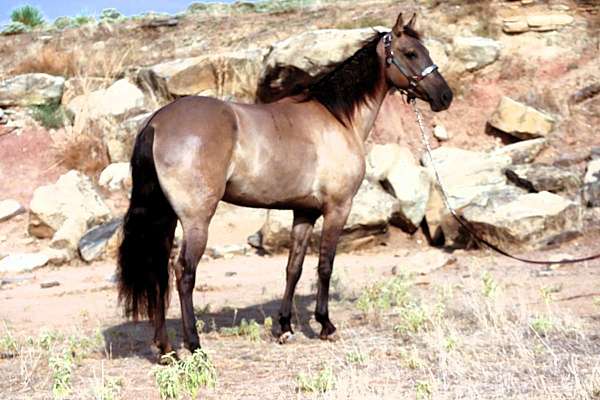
(542, 325)
(450, 343)
(48, 338)
(490, 286)
(356, 357)
(51, 116)
(8, 344)
(108, 388)
(62, 367)
(411, 359)
(383, 296)
(251, 330)
(27, 15)
(81, 20)
(15, 28)
(547, 291)
(321, 382)
(268, 324)
(185, 377)
(424, 390)
(413, 319)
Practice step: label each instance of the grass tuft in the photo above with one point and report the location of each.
(27, 15)
(321, 382)
(185, 377)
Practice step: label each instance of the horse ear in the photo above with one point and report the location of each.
(413, 20)
(399, 26)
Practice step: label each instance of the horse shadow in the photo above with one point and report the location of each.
(134, 339)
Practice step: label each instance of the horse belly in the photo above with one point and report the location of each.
(272, 184)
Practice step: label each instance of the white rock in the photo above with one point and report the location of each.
(10, 208)
(382, 157)
(23, 262)
(118, 100)
(440, 132)
(116, 176)
(65, 210)
(31, 89)
(475, 52)
(520, 120)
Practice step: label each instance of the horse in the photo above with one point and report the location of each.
(304, 152)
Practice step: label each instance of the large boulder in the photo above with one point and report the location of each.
(372, 209)
(465, 176)
(31, 90)
(396, 169)
(474, 52)
(525, 221)
(119, 100)
(520, 120)
(64, 211)
(541, 177)
(220, 75)
(94, 243)
(119, 142)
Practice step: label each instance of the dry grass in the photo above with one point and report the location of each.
(469, 340)
(49, 60)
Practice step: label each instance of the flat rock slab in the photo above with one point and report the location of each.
(520, 120)
(31, 90)
(23, 262)
(541, 177)
(94, 243)
(10, 208)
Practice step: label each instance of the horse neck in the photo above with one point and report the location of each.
(366, 114)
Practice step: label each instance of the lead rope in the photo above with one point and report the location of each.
(465, 224)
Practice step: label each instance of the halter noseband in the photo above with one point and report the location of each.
(413, 79)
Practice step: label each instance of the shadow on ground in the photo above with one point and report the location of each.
(134, 339)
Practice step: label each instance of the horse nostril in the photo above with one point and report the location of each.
(447, 97)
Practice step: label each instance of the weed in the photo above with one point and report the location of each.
(414, 316)
(8, 344)
(490, 286)
(185, 376)
(356, 357)
(48, 338)
(542, 324)
(321, 382)
(424, 390)
(108, 388)
(411, 359)
(547, 291)
(52, 116)
(384, 295)
(268, 324)
(27, 15)
(251, 330)
(81, 20)
(62, 368)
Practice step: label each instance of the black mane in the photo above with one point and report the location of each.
(345, 85)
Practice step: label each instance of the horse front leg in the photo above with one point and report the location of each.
(334, 220)
(301, 230)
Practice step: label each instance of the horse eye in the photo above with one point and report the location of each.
(411, 55)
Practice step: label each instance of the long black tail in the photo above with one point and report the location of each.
(148, 231)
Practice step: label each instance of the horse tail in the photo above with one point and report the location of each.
(148, 230)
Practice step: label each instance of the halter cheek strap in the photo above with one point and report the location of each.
(390, 59)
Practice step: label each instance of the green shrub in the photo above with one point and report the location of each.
(63, 22)
(15, 28)
(62, 368)
(28, 15)
(185, 377)
(383, 296)
(51, 116)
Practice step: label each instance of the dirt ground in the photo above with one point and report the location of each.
(250, 287)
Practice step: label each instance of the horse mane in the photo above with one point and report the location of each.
(340, 86)
(345, 85)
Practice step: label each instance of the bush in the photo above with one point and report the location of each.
(27, 15)
(51, 116)
(15, 28)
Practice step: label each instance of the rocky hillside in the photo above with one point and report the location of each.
(517, 150)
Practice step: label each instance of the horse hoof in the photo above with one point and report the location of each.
(286, 337)
(168, 358)
(331, 337)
